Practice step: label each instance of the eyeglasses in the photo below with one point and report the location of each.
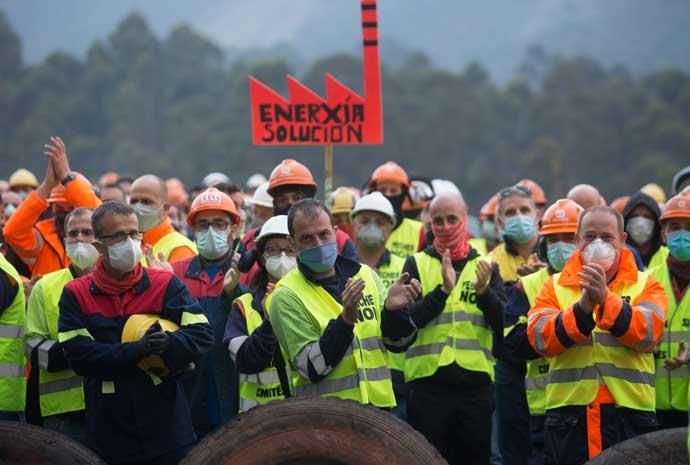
(122, 236)
(275, 251)
(522, 191)
(218, 225)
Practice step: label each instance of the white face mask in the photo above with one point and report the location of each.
(125, 255)
(640, 229)
(148, 216)
(82, 254)
(599, 252)
(279, 265)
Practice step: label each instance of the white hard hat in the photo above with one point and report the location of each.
(255, 180)
(375, 202)
(213, 179)
(261, 196)
(275, 225)
(442, 186)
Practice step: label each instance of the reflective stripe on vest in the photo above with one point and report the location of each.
(362, 374)
(263, 387)
(12, 361)
(168, 243)
(537, 370)
(458, 335)
(404, 240)
(60, 391)
(575, 374)
(671, 386)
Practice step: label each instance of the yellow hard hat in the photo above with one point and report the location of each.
(135, 328)
(654, 191)
(23, 177)
(342, 200)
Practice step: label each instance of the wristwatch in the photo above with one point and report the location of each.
(69, 177)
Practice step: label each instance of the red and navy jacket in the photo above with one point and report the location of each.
(213, 390)
(131, 416)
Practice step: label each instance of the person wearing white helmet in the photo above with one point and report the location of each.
(248, 333)
(373, 218)
(215, 178)
(253, 182)
(261, 205)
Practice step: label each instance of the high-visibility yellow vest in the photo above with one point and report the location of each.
(168, 243)
(672, 386)
(659, 258)
(12, 361)
(537, 370)
(60, 391)
(479, 244)
(404, 240)
(508, 263)
(362, 374)
(575, 374)
(389, 273)
(459, 334)
(257, 388)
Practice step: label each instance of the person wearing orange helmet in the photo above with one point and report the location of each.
(408, 236)
(289, 183)
(537, 194)
(149, 198)
(212, 278)
(557, 243)
(40, 243)
(674, 275)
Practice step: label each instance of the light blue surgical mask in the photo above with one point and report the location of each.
(9, 209)
(679, 245)
(212, 244)
(558, 254)
(519, 228)
(319, 259)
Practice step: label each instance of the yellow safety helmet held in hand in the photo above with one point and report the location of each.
(134, 330)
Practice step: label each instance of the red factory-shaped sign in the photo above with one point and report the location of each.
(343, 117)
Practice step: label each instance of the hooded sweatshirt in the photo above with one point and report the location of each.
(640, 198)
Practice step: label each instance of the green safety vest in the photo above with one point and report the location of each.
(404, 240)
(60, 391)
(479, 244)
(12, 361)
(659, 258)
(362, 374)
(389, 273)
(672, 386)
(257, 388)
(537, 370)
(575, 375)
(458, 335)
(168, 243)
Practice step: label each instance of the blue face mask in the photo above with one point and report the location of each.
(679, 245)
(212, 244)
(319, 259)
(519, 228)
(558, 254)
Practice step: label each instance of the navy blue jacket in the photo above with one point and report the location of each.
(130, 416)
(213, 390)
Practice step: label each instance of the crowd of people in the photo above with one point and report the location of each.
(137, 315)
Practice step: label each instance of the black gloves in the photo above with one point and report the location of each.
(155, 341)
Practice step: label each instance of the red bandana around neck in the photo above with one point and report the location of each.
(453, 238)
(115, 286)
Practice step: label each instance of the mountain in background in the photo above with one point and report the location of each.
(638, 34)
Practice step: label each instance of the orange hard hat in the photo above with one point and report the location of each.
(488, 210)
(677, 206)
(389, 171)
(291, 173)
(535, 189)
(213, 199)
(177, 195)
(561, 217)
(57, 195)
(619, 203)
(108, 178)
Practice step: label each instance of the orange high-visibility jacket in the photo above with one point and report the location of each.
(560, 330)
(38, 244)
